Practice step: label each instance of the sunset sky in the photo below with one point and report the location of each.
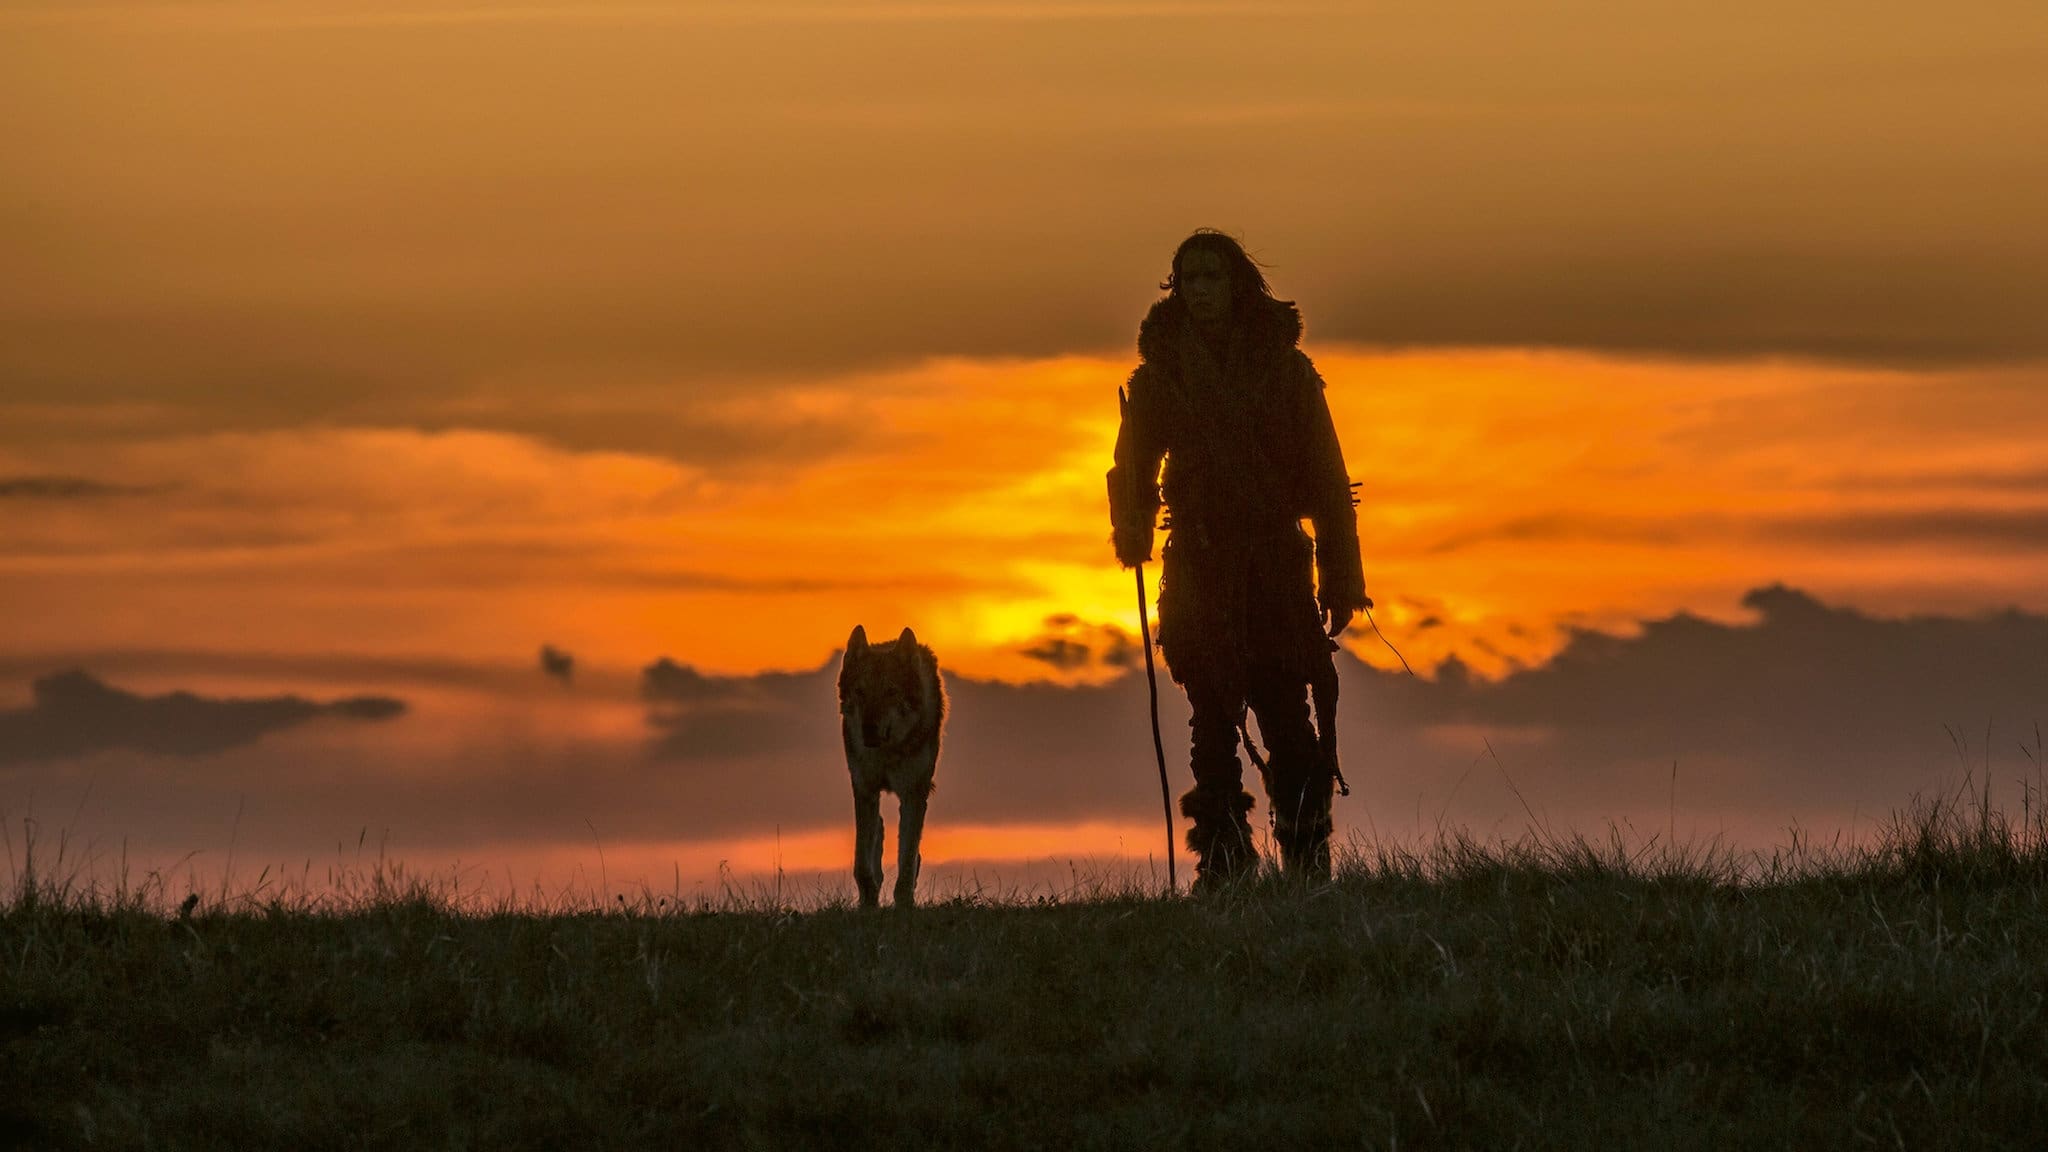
(358, 349)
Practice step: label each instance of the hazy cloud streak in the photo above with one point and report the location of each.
(62, 488)
(318, 15)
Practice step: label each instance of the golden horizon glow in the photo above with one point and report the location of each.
(1506, 497)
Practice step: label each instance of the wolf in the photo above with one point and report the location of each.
(891, 710)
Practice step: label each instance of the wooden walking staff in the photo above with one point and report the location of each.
(1158, 749)
(1152, 685)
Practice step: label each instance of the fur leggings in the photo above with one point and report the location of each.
(1298, 787)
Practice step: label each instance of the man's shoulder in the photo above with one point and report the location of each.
(1304, 384)
(1307, 368)
(1145, 380)
(1151, 396)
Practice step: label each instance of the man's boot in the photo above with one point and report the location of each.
(1220, 836)
(1304, 839)
(1220, 832)
(1301, 817)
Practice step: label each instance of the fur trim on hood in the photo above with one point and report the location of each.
(1272, 325)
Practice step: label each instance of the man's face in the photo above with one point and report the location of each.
(1204, 282)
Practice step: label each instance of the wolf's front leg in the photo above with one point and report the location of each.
(867, 846)
(909, 831)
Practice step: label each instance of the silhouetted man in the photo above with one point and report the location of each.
(1247, 602)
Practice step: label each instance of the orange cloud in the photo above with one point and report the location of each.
(1505, 496)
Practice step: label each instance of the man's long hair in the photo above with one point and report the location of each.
(1247, 281)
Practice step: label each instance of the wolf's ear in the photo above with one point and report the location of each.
(908, 641)
(858, 642)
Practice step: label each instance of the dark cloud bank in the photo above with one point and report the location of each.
(1810, 708)
(74, 714)
(1809, 713)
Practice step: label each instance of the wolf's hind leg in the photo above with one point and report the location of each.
(909, 834)
(867, 847)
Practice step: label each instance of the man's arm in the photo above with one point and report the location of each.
(1134, 480)
(1340, 574)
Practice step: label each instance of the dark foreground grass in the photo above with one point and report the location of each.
(1546, 994)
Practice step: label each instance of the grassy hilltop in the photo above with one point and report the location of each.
(1545, 994)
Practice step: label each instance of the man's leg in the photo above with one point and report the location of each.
(1299, 785)
(1201, 631)
(1218, 807)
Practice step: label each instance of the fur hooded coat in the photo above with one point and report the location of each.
(1247, 442)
